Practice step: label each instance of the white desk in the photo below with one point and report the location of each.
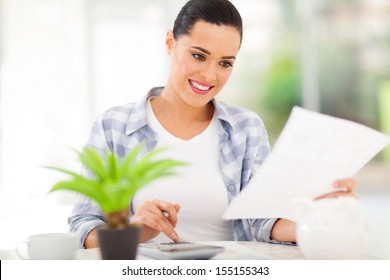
(234, 251)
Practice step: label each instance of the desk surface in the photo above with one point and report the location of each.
(234, 251)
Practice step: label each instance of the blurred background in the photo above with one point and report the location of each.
(63, 62)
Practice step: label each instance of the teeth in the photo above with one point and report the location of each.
(198, 86)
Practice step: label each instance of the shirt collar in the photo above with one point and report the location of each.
(222, 113)
(138, 118)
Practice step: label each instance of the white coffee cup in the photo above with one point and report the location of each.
(49, 246)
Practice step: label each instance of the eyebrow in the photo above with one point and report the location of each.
(209, 53)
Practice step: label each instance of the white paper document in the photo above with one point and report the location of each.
(312, 152)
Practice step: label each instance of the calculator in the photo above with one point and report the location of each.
(179, 250)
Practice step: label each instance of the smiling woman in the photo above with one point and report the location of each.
(184, 116)
(224, 144)
(206, 57)
(201, 65)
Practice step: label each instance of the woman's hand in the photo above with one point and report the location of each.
(91, 241)
(157, 216)
(343, 187)
(284, 230)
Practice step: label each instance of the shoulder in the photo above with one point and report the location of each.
(132, 115)
(123, 115)
(118, 113)
(241, 119)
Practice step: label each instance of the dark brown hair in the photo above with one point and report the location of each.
(220, 12)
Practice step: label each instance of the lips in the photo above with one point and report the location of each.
(200, 88)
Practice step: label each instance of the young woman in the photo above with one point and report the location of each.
(223, 144)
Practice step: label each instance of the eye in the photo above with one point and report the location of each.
(226, 64)
(199, 57)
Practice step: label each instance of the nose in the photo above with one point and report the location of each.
(209, 72)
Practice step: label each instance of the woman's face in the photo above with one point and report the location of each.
(201, 62)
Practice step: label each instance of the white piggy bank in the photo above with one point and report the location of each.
(332, 228)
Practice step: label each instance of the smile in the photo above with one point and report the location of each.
(200, 88)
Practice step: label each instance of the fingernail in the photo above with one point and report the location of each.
(335, 184)
(166, 214)
(160, 228)
(174, 236)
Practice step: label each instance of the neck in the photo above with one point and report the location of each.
(172, 107)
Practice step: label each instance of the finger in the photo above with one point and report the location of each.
(177, 207)
(149, 214)
(154, 217)
(169, 231)
(156, 222)
(348, 183)
(155, 208)
(166, 214)
(148, 219)
(164, 225)
(338, 194)
(168, 210)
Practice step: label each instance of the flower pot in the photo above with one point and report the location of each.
(119, 244)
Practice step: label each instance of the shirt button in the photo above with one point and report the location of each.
(231, 188)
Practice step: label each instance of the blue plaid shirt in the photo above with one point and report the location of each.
(243, 145)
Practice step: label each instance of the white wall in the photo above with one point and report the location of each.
(63, 63)
(43, 95)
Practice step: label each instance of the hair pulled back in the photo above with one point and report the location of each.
(220, 12)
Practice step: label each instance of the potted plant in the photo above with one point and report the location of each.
(114, 182)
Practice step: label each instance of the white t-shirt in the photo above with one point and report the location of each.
(198, 187)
